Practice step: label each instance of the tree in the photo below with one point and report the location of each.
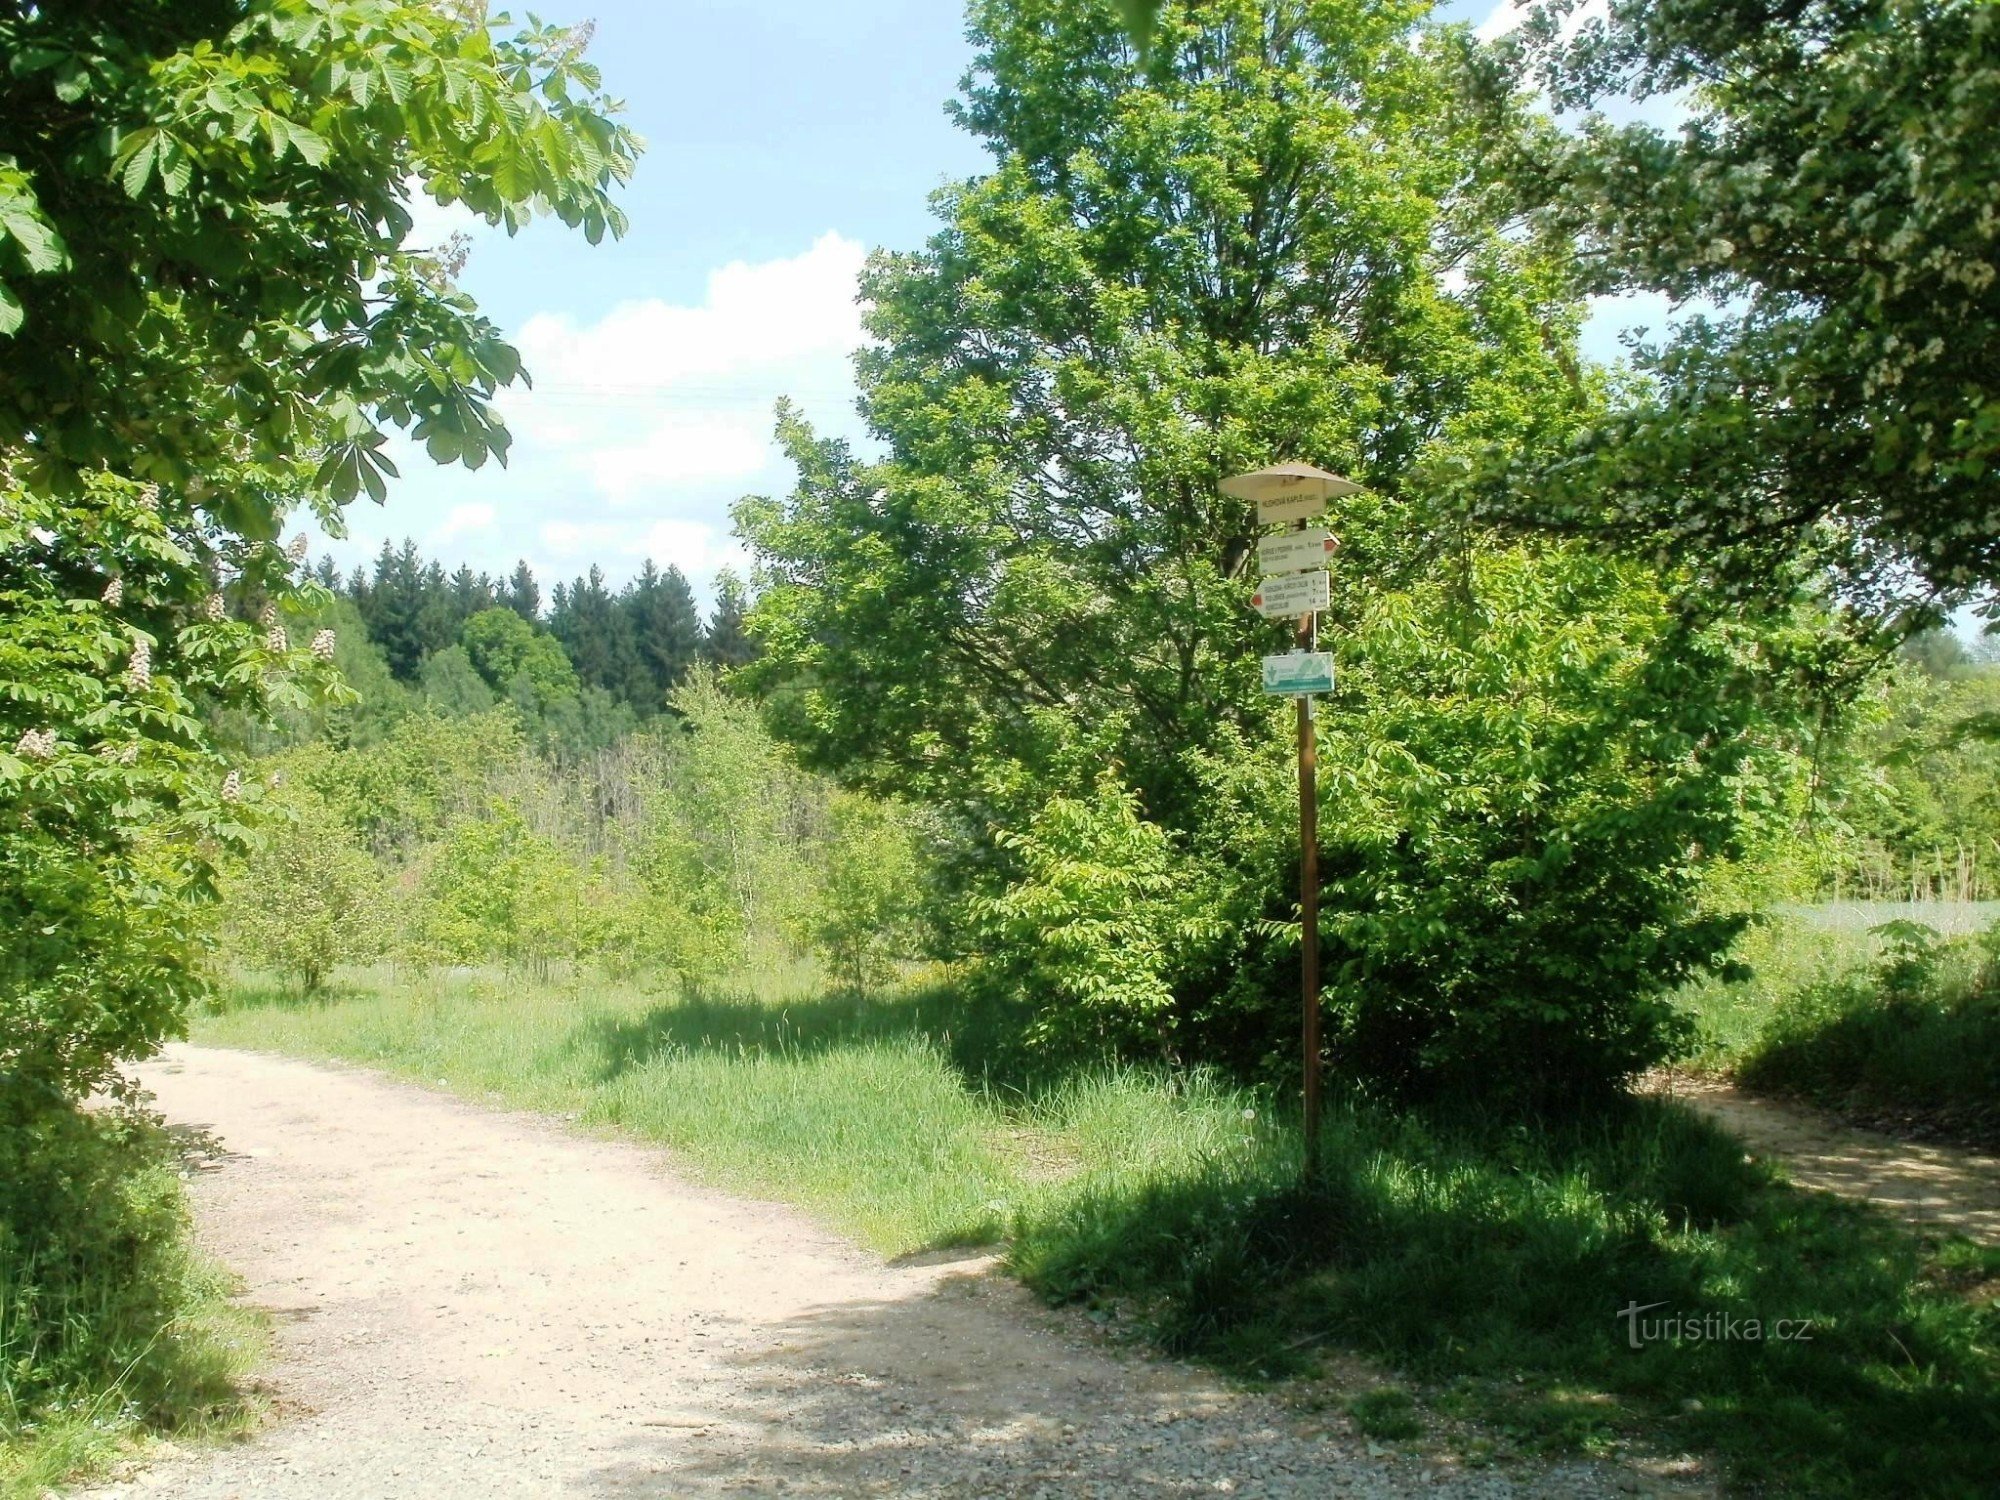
(523, 596)
(593, 631)
(1257, 243)
(1830, 194)
(506, 650)
(209, 317)
(306, 899)
(725, 641)
(202, 226)
(1271, 235)
(666, 632)
(451, 686)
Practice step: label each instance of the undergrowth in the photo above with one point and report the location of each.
(112, 1327)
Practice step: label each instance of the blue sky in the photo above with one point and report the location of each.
(785, 139)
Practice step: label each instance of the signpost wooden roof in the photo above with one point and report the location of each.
(1289, 481)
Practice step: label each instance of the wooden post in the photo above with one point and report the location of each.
(1309, 904)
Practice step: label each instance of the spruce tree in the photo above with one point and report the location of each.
(523, 595)
(727, 642)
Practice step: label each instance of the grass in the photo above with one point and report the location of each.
(1886, 1022)
(869, 1113)
(113, 1330)
(1484, 1261)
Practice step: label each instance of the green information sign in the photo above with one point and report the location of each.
(1298, 674)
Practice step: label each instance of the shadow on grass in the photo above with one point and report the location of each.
(1848, 1047)
(251, 992)
(1504, 1263)
(983, 1038)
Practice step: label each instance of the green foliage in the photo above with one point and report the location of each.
(1912, 1036)
(861, 919)
(452, 686)
(501, 644)
(306, 898)
(107, 1321)
(1175, 271)
(208, 318)
(113, 806)
(205, 212)
(1104, 917)
(1269, 236)
(1829, 192)
(1911, 789)
(1387, 1412)
(494, 890)
(725, 639)
(678, 852)
(1526, 772)
(1491, 1259)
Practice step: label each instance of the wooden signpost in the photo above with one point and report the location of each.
(1296, 584)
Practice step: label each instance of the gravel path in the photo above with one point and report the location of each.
(1928, 1187)
(475, 1303)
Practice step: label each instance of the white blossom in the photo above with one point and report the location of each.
(35, 744)
(139, 674)
(232, 787)
(215, 609)
(322, 645)
(149, 497)
(295, 549)
(114, 593)
(275, 639)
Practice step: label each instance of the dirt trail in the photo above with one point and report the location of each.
(474, 1303)
(1929, 1187)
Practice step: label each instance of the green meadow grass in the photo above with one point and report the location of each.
(1483, 1260)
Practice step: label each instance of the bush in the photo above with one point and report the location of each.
(106, 1317)
(858, 919)
(308, 898)
(1102, 918)
(1523, 788)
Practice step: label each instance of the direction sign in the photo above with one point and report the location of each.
(1300, 507)
(1295, 551)
(1297, 674)
(1292, 594)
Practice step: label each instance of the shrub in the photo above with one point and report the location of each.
(858, 919)
(1102, 917)
(1523, 787)
(308, 898)
(102, 1306)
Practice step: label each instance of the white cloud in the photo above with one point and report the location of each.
(432, 223)
(473, 516)
(682, 449)
(695, 547)
(642, 427)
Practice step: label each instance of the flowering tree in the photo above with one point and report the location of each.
(1830, 191)
(209, 317)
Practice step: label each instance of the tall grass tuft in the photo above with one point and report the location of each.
(111, 1326)
(1492, 1260)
